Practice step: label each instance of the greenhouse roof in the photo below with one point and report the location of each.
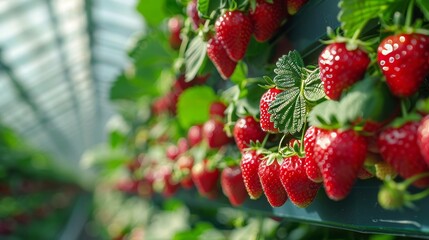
(57, 62)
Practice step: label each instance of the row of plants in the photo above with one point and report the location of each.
(208, 104)
(36, 194)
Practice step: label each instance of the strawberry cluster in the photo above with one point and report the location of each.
(234, 30)
(360, 112)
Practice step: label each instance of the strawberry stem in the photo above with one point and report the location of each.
(265, 140)
(233, 5)
(412, 179)
(404, 108)
(281, 142)
(409, 16)
(418, 196)
(301, 147)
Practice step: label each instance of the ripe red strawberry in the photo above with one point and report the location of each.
(195, 135)
(311, 168)
(364, 174)
(300, 190)
(249, 165)
(185, 164)
(403, 58)
(264, 105)
(205, 179)
(423, 138)
(267, 19)
(399, 147)
(127, 186)
(340, 68)
(172, 152)
(7, 227)
(247, 130)
(182, 145)
(340, 155)
(170, 186)
(217, 54)
(214, 134)
(217, 110)
(233, 186)
(271, 184)
(175, 24)
(182, 84)
(192, 12)
(294, 5)
(234, 29)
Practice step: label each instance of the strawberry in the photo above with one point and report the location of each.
(340, 156)
(247, 130)
(195, 135)
(127, 186)
(217, 54)
(423, 138)
(300, 190)
(214, 134)
(399, 147)
(234, 29)
(182, 145)
(192, 12)
(233, 186)
(294, 5)
(269, 174)
(172, 152)
(175, 24)
(311, 168)
(403, 58)
(182, 84)
(264, 104)
(340, 68)
(249, 165)
(185, 164)
(217, 110)
(267, 18)
(170, 186)
(205, 179)
(364, 174)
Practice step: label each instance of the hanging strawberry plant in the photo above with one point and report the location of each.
(224, 109)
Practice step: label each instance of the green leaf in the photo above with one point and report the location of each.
(128, 88)
(355, 14)
(424, 7)
(289, 70)
(152, 61)
(152, 11)
(173, 7)
(313, 89)
(206, 7)
(302, 87)
(194, 56)
(240, 73)
(193, 105)
(288, 111)
(323, 115)
(248, 102)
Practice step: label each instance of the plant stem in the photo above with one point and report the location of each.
(403, 108)
(301, 147)
(412, 179)
(409, 16)
(418, 196)
(281, 141)
(265, 140)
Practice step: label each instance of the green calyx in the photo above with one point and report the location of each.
(393, 195)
